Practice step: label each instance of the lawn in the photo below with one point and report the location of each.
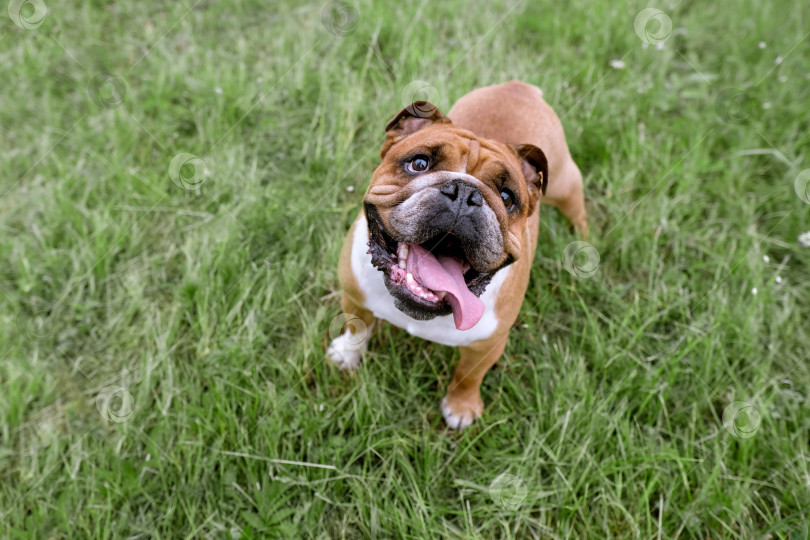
(177, 179)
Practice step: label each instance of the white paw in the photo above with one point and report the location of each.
(347, 349)
(457, 420)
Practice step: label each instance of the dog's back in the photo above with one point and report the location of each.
(515, 112)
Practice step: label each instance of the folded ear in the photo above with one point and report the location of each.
(416, 116)
(534, 166)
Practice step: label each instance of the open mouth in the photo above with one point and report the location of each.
(430, 278)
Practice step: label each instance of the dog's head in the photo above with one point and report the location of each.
(446, 210)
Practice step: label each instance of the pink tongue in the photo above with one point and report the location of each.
(446, 274)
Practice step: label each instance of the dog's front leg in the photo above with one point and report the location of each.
(463, 404)
(347, 348)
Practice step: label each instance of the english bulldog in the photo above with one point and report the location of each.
(444, 243)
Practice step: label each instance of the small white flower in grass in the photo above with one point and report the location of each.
(350, 189)
(766, 259)
(754, 291)
(218, 90)
(804, 239)
(778, 279)
(778, 60)
(766, 105)
(762, 44)
(782, 79)
(617, 64)
(659, 46)
(645, 45)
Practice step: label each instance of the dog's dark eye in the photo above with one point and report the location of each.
(508, 198)
(419, 164)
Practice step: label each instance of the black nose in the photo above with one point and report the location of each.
(462, 193)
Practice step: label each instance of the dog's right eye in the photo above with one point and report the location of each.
(508, 198)
(418, 164)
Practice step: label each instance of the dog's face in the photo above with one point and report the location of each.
(446, 210)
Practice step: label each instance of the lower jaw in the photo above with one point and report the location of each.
(407, 281)
(383, 258)
(411, 304)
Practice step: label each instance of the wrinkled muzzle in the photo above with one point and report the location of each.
(455, 209)
(441, 247)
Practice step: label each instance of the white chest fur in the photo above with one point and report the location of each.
(440, 329)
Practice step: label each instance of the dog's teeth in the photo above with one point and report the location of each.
(402, 255)
(409, 279)
(442, 295)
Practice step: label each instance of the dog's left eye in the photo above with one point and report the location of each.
(418, 164)
(508, 198)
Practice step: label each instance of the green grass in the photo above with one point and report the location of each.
(211, 306)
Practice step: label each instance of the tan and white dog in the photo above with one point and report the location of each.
(444, 244)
